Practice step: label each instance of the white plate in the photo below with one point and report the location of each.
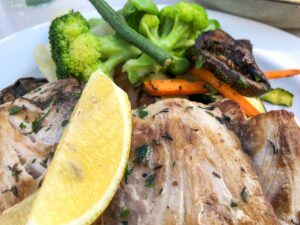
(273, 49)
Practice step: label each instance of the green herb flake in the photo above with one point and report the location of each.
(15, 172)
(124, 213)
(44, 163)
(156, 142)
(22, 126)
(256, 77)
(244, 195)
(128, 172)
(141, 152)
(150, 181)
(200, 62)
(218, 72)
(142, 113)
(243, 83)
(48, 128)
(13, 190)
(174, 163)
(124, 222)
(33, 161)
(36, 124)
(65, 123)
(14, 110)
(37, 90)
(212, 90)
(233, 204)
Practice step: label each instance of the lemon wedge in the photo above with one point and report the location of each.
(90, 159)
(18, 214)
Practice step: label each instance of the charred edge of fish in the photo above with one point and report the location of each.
(232, 61)
(274, 148)
(20, 88)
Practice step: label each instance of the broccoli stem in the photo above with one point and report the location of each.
(130, 35)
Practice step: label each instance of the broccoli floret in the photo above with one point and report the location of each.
(63, 30)
(134, 10)
(84, 56)
(137, 68)
(174, 30)
(181, 24)
(78, 52)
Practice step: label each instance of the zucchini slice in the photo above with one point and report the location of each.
(279, 96)
(257, 103)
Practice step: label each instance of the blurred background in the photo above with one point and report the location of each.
(16, 15)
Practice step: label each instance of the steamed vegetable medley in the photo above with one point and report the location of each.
(147, 41)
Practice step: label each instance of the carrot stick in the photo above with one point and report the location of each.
(225, 90)
(282, 73)
(174, 87)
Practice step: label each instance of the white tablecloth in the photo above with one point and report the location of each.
(14, 19)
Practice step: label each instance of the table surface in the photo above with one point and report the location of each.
(14, 19)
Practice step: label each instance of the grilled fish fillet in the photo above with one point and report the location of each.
(272, 140)
(186, 167)
(30, 129)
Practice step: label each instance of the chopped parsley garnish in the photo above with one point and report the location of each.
(243, 83)
(37, 90)
(212, 90)
(15, 172)
(275, 150)
(44, 163)
(200, 62)
(22, 126)
(36, 124)
(33, 161)
(156, 142)
(128, 172)
(174, 163)
(149, 182)
(233, 204)
(65, 123)
(123, 222)
(142, 113)
(160, 191)
(218, 72)
(124, 213)
(14, 110)
(141, 153)
(48, 128)
(244, 195)
(13, 190)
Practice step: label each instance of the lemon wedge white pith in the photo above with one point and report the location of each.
(90, 160)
